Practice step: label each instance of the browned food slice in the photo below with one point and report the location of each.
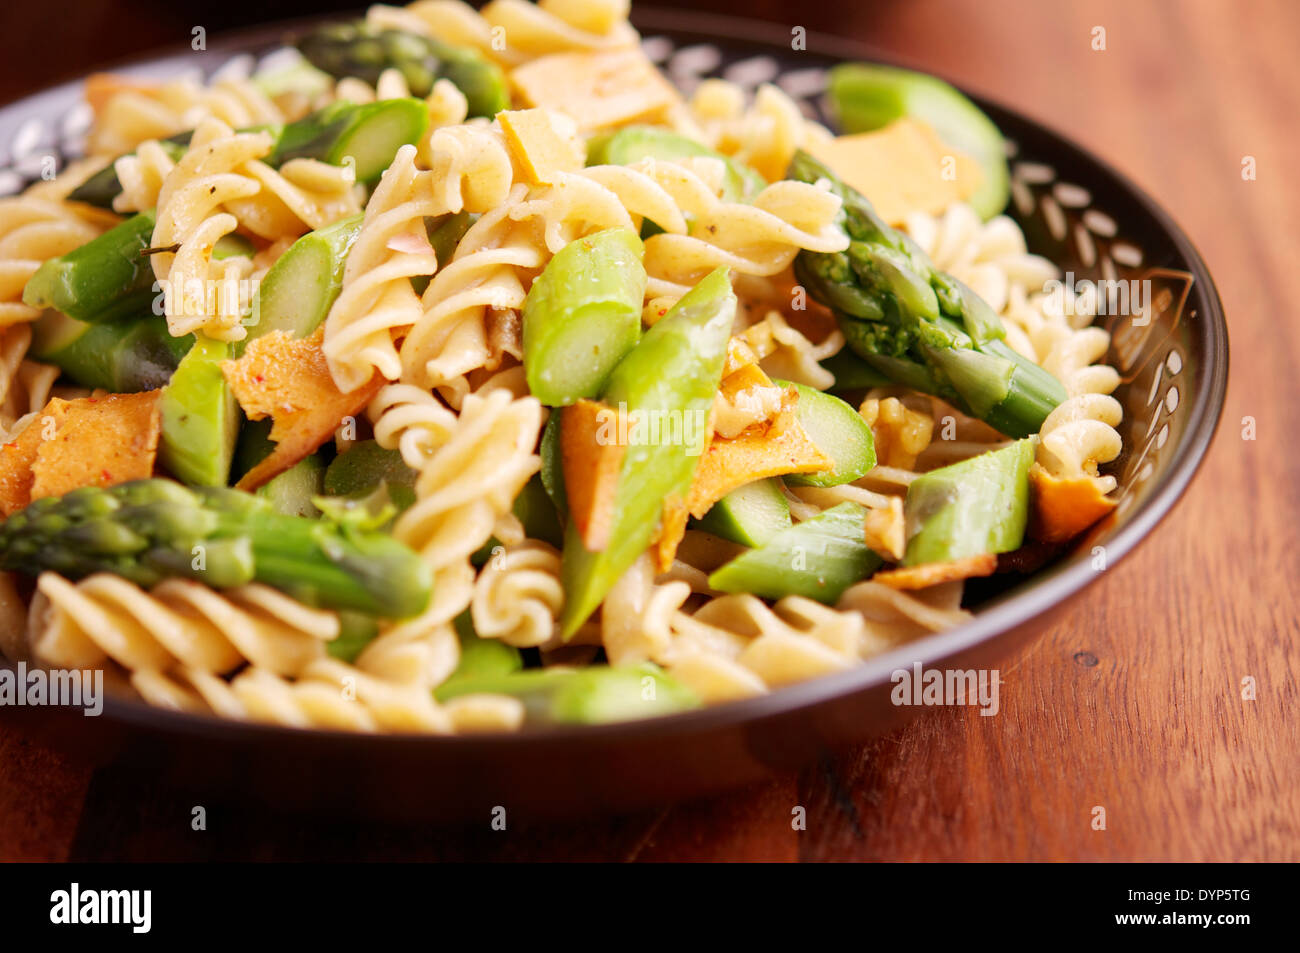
(1061, 509)
(288, 380)
(596, 90)
(932, 574)
(95, 441)
(755, 454)
(591, 453)
(18, 455)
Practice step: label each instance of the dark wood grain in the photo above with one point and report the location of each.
(1131, 701)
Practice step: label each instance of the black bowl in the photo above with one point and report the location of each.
(1074, 209)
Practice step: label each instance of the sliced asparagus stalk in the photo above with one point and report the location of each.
(150, 530)
(356, 631)
(977, 506)
(357, 49)
(106, 278)
(818, 558)
(583, 315)
(839, 432)
(302, 285)
(200, 417)
(919, 326)
(674, 371)
(595, 695)
(291, 492)
(370, 134)
(479, 659)
(123, 356)
(750, 515)
(852, 372)
(363, 467)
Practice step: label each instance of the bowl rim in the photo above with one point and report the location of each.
(1024, 603)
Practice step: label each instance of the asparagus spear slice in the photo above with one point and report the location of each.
(356, 631)
(370, 134)
(358, 49)
(104, 279)
(150, 530)
(302, 285)
(200, 417)
(818, 558)
(750, 515)
(363, 467)
(123, 356)
(595, 695)
(479, 659)
(839, 432)
(920, 327)
(673, 372)
(583, 315)
(852, 372)
(292, 491)
(977, 506)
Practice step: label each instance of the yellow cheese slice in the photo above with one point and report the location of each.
(596, 90)
(904, 167)
(539, 146)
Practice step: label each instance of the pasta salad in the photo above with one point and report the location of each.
(457, 373)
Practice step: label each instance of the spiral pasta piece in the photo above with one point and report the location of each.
(518, 595)
(135, 113)
(515, 31)
(33, 230)
(763, 134)
(179, 623)
(377, 300)
(1078, 436)
(446, 103)
(464, 489)
(736, 646)
(488, 272)
(327, 694)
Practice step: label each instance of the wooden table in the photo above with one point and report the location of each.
(1132, 700)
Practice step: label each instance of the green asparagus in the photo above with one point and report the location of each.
(977, 506)
(479, 658)
(839, 432)
(360, 50)
(672, 374)
(150, 530)
(109, 277)
(583, 315)
(124, 356)
(852, 373)
(302, 285)
(364, 467)
(595, 695)
(920, 327)
(818, 558)
(369, 134)
(750, 514)
(867, 96)
(200, 417)
(292, 492)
